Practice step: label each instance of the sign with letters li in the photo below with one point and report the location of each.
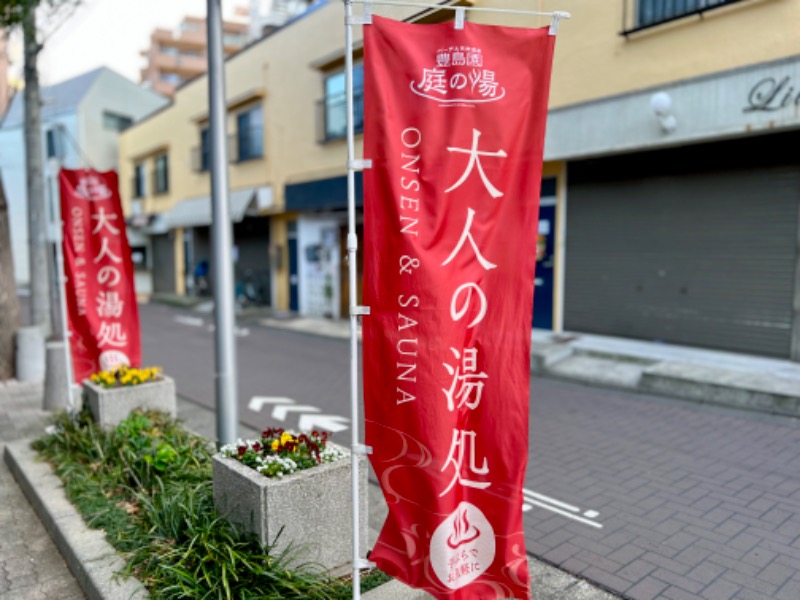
(454, 126)
(101, 300)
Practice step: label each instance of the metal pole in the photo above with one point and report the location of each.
(352, 247)
(221, 236)
(455, 7)
(58, 237)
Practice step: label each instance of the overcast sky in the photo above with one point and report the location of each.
(112, 33)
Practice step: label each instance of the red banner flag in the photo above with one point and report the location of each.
(101, 299)
(454, 126)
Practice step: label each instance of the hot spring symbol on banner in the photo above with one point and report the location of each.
(101, 300)
(454, 126)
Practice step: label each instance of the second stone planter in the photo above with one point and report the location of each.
(109, 406)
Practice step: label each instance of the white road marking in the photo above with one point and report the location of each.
(257, 402)
(238, 331)
(332, 423)
(564, 513)
(309, 417)
(187, 320)
(550, 500)
(532, 499)
(279, 412)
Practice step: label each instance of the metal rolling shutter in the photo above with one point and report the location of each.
(163, 264)
(700, 259)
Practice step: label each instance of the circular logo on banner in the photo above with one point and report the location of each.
(111, 359)
(462, 547)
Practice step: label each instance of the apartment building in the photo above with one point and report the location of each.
(177, 56)
(669, 204)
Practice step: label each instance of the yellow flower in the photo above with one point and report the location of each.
(275, 444)
(286, 437)
(125, 375)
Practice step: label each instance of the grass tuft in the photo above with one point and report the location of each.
(147, 484)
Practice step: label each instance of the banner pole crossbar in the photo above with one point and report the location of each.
(511, 11)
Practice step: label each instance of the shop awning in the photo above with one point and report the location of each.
(196, 212)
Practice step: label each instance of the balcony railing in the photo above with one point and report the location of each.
(332, 117)
(644, 14)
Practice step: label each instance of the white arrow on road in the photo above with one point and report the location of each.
(309, 417)
(332, 423)
(257, 402)
(279, 412)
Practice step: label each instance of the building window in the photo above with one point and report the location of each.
(116, 122)
(335, 104)
(53, 150)
(172, 78)
(250, 133)
(138, 181)
(161, 175)
(647, 13)
(233, 39)
(168, 50)
(205, 139)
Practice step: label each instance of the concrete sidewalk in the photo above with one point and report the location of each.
(31, 567)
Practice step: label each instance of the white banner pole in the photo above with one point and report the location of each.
(456, 7)
(62, 294)
(352, 247)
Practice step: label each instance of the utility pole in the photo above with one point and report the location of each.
(37, 216)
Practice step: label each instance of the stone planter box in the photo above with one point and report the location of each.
(313, 506)
(110, 406)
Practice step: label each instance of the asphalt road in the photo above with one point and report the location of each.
(645, 496)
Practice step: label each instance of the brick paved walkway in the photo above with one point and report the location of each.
(31, 568)
(695, 502)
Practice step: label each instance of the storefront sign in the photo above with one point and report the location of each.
(101, 300)
(454, 125)
(771, 94)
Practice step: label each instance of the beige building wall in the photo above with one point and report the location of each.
(285, 72)
(593, 59)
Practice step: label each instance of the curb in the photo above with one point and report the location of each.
(751, 391)
(394, 589)
(738, 388)
(92, 560)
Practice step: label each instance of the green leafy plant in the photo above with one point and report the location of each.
(147, 484)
